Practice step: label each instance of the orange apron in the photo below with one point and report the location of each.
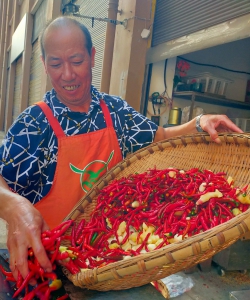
(81, 160)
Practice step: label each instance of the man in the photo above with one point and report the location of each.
(57, 149)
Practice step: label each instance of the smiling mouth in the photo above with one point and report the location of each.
(71, 87)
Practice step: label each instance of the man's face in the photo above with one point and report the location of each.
(68, 64)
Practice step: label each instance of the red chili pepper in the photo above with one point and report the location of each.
(65, 237)
(244, 189)
(80, 240)
(161, 244)
(73, 242)
(117, 194)
(62, 256)
(53, 258)
(207, 190)
(80, 263)
(192, 171)
(175, 229)
(24, 283)
(56, 233)
(71, 266)
(226, 210)
(223, 220)
(63, 226)
(19, 280)
(172, 207)
(203, 223)
(6, 273)
(230, 201)
(177, 191)
(50, 275)
(186, 229)
(215, 221)
(159, 229)
(88, 247)
(170, 218)
(126, 236)
(245, 207)
(35, 269)
(166, 225)
(64, 297)
(10, 278)
(31, 295)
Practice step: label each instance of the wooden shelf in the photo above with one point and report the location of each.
(210, 99)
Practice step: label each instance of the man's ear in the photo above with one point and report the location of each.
(93, 52)
(44, 64)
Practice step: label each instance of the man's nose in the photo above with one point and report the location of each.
(68, 72)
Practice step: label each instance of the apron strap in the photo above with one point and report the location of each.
(52, 119)
(56, 125)
(106, 113)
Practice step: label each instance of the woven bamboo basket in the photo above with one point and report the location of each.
(232, 156)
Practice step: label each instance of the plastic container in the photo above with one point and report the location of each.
(242, 123)
(210, 83)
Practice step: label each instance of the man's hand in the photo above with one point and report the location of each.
(212, 124)
(25, 227)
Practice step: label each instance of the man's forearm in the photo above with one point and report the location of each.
(169, 132)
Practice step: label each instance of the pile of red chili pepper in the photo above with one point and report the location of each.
(46, 282)
(134, 215)
(147, 211)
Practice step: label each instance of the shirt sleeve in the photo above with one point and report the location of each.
(135, 131)
(21, 151)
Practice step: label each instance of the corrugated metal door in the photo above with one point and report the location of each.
(98, 9)
(39, 20)
(175, 19)
(35, 75)
(36, 66)
(17, 89)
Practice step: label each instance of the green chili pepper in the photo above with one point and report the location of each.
(94, 236)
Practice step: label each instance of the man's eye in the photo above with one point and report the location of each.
(55, 66)
(77, 62)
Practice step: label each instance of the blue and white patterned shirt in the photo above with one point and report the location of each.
(29, 150)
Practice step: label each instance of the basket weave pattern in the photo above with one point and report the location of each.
(196, 151)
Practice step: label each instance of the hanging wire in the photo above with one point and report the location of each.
(115, 22)
(214, 66)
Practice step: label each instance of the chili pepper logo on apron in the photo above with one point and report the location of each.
(91, 173)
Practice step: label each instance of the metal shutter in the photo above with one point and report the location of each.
(178, 18)
(17, 89)
(39, 20)
(98, 9)
(35, 75)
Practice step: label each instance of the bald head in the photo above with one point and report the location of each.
(62, 23)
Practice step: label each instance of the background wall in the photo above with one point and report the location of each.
(234, 55)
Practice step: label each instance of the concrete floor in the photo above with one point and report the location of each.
(211, 286)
